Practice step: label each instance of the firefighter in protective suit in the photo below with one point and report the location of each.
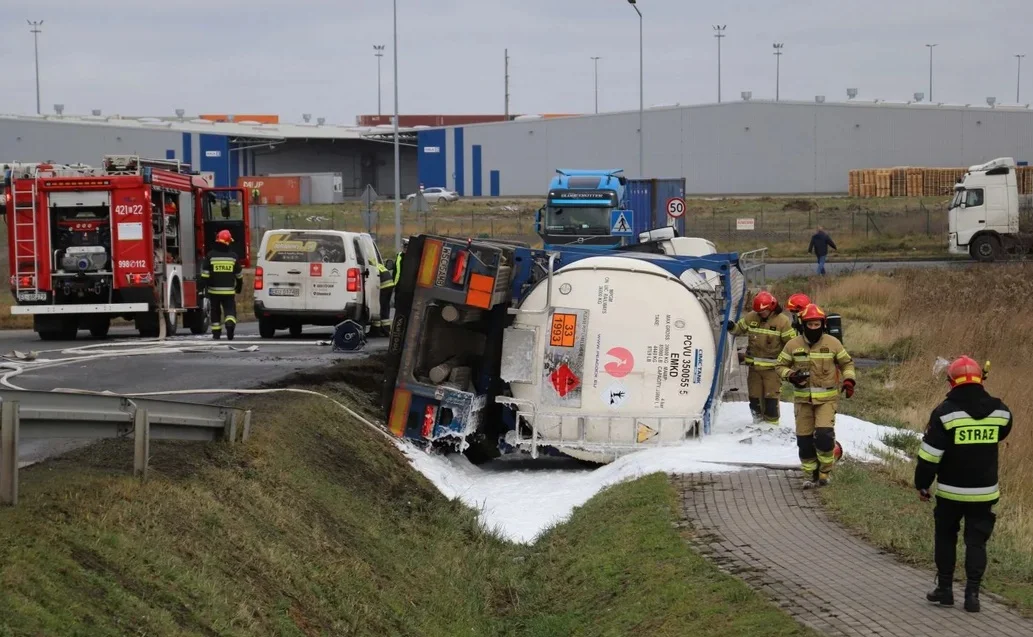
(795, 305)
(223, 279)
(960, 449)
(813, 362)
(768, 329)
(387, 286)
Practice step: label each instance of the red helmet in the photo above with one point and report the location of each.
(812, 313)
(797, 302)
(224, 236)
(964, 370)
(764, 301)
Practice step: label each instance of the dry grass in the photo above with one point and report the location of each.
(922, 314)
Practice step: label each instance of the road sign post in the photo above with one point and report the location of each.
(675, 207)
(419, 205)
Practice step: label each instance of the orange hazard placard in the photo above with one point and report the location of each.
(564, 327)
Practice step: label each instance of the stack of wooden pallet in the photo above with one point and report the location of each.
(911, 181)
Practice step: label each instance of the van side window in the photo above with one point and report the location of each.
(974, 197)
(359, 256)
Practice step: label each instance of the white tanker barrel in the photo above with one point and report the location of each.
(626, 358)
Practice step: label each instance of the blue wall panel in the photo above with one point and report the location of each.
(495, 183)
(460, 164)
(430, 158)
(170, 154)
(476, 170)
(188, 150)
(215, 157)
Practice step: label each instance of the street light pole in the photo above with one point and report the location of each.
(398, 165)
(931, 71)
(35, 41)
(1018, 75)
(641, 93)
(379, 48)
(595, 60)
(778, 67)
(719, 33)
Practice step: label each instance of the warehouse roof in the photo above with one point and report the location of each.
(243, 129)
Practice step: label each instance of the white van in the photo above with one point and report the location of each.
(315, 277)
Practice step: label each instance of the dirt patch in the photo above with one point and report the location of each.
(801, 205)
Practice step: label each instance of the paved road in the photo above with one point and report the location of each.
(843, 266)
(762, 527)
(225, 368)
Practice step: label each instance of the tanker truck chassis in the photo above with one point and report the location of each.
(497, 347)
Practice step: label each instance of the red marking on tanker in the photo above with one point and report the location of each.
(620, 364)
(564, 380)
(315, 269)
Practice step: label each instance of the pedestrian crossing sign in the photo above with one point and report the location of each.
(621, 223)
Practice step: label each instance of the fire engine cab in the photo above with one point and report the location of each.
(127, 240)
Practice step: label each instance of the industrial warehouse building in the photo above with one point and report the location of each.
(230, 150)
(734, 148)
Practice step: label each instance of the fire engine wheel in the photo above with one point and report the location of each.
(100, 327)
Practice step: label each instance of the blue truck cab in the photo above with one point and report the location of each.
(603, 209)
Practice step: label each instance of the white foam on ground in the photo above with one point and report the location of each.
(520, 497)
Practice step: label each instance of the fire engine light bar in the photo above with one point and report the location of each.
(101, 308)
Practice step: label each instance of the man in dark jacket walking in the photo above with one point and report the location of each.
(820, 244)
(959, 449)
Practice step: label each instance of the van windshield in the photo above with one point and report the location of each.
(305, 247)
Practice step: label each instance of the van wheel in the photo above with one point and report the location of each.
(985, 248)
(266, 329)
(295, 330)
(199, 320)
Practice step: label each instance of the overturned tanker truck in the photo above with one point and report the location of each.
(500, 348)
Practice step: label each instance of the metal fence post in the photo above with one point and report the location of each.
(9, 452)
(142, 443)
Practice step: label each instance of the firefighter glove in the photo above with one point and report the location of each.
(798, 378)
(923, 495)
(730, 325)
(848, 387)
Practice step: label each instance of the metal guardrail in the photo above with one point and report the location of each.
(754, 267)
(34, 415)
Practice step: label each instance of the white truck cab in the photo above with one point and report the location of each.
(985, 217)
(315, 277)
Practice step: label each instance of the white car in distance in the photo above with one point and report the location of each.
(436, 195)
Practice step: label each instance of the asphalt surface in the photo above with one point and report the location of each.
(275, 359)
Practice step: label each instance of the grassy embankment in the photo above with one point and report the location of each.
(914, 317)
(862, 228)
(318, 526)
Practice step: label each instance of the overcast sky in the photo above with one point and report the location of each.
(303, 56)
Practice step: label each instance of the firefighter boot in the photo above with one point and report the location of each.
(972, 596)
(230, 326)
(823, 479)
(216, 334)
(812, 480)
(943, 594)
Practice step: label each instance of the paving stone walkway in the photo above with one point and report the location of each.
(762, 527)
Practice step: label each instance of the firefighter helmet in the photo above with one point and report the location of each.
(764, 301)
(812, 313)
(224, 236)
(797, 302)
(964, 370)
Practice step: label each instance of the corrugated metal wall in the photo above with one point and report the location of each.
(27, 141)
(345, 157)
(734, 148)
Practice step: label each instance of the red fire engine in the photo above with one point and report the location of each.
(127, 240)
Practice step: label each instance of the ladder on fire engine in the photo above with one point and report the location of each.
(26, 253)
(134, 165)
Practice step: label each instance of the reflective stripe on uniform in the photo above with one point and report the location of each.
(998, 417)
(761, 330)
(222, 291)
(765, 363)
(930, 453)
(968, 494)
(818, 393)
(788, 334)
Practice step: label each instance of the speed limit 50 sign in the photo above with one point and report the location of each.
(675, 207)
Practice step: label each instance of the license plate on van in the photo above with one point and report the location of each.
(284, 292)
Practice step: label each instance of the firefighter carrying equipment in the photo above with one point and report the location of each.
(813, 362)
(960, 450)
(387, 284)
(222, 278)
(767, 336)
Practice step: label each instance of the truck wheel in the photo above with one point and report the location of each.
(985, 248)
(172, 318)
(295, 330)
(147, 324)
(266, 329)
(199, 320)
(100, 327)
